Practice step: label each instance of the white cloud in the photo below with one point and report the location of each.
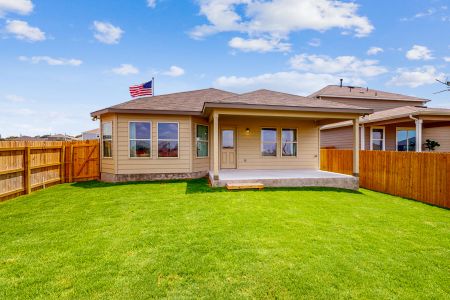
(14, 98)
(259, 45)
(416, 77)
(23, 31)
(22, 7)
(278, 18)
(107, 33)
(343, 65)
(418, 52)
(446, 58)
(374, 50)
(126, 69)
(151, 3)
(52, 61)
(174, 71)
(291, 82)
(314, 43)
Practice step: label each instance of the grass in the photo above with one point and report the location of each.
(184, 240)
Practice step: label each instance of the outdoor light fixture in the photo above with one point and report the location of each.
(247, 131)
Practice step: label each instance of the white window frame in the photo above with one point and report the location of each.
(101, 135)
(407, 138)
(262, 142)
(296, 142)
(157, 139)
(207, 141)
(129, 139)
(384, 136)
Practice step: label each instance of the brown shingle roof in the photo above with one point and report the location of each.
(271, 98)
(362, 93)
(395, 113)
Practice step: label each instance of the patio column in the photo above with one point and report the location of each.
(216, 145)
(419, 124)
(363, 138)
(356, 147)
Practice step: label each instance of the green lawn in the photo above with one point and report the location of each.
(184, 240)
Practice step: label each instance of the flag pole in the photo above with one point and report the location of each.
(153, 85)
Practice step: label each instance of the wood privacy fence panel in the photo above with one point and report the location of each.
(28, 166)
(420, 176)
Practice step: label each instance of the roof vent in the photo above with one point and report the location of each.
(341, 81)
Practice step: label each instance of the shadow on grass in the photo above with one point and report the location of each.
(199, 186)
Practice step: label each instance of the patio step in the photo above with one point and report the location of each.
(244, 186)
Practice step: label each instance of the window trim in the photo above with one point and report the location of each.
(195, 140)
(384, 136)
(262, 143)
(396, 137)
(157, 139)
(102, 139)
(296, 142)
(151, 140)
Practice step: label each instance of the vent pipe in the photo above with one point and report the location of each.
(341, 82)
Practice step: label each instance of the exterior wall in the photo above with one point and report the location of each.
(90, 136)
(202, 163)
(249, 146)
(376, 105)
(154, 164)
(339, 138)
(440, 135)
(108, 164)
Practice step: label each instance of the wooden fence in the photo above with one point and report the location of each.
(28, 166)
(420, 176)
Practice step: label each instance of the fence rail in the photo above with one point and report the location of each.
(28, 166)
(420, 176)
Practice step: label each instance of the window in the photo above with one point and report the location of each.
(406, 139)
(227, 139)
(269, 142)
(107, 139)
(377, 138)
(202, 140)
(167, 139)
(289, 142)
(140, 139)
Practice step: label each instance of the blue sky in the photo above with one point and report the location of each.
(60, 60)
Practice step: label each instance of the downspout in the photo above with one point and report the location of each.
(418, 133)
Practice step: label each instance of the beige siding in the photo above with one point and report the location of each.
(376, 105)
(107, 164)
(339, 138)
(249, 145)
(182, 164)
(200, 164)
(440, 135)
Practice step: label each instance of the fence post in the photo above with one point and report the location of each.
(71, 164)
(63, 163)
(27, 170)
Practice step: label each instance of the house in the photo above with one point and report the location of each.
(93, 134)
(398, 121)
(264, 135)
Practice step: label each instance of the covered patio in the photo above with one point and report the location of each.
(285, 178)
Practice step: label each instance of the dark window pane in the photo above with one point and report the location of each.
(202, 132)
(402, 140)
(377, 134)
(168, 131)
(269, 149)
(269, 135)
(377, 145)
(289, 149)
(202, 149)
(167, 149)
(228, 139)
(140, 130)
(289, 135)
(139, 148)
(107, 149)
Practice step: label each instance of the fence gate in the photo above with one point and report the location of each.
(84, 162)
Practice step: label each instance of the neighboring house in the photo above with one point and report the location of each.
(192, 134)
(93, 134)
(59, 137)
(397, 124)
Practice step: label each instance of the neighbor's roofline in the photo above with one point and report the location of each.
(372, 98)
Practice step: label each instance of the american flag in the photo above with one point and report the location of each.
(143, 89)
